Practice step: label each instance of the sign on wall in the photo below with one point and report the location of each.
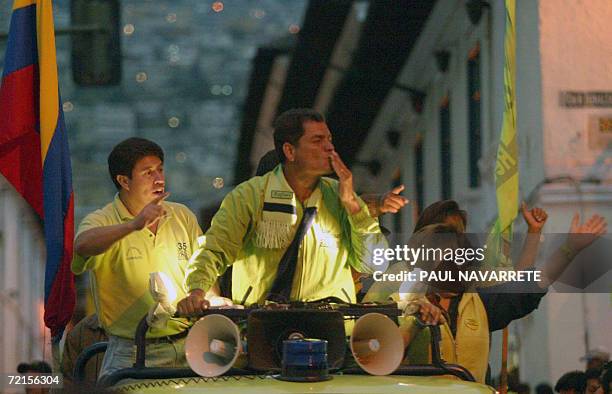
(573, 99)
(600, 131)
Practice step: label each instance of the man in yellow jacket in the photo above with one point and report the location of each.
(258, 221)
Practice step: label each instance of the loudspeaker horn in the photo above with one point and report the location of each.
(377, 344)
(213, 345)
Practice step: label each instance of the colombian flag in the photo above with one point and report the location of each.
(34, 154)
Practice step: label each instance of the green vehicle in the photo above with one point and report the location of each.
(296, 348)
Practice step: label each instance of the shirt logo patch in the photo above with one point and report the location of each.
(182, 251)
(133, 253)
(283, 195)
(472, 324)
(328, 240)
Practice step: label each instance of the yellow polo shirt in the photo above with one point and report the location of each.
(120, 276)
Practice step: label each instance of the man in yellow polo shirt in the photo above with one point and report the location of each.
(122, 243)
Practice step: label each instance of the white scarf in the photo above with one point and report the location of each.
(279, 218)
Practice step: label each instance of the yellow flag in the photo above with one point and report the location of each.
(506, 166)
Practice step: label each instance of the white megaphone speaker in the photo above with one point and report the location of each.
(213, 345)
(377, 344)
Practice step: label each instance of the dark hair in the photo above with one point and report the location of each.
(125, 155)
(267, 163)
(35, 366)
(289, 127)
(592, 373)
(522, 388)
(543, 388)
(572, 380)
(438, 212)
(606, 377)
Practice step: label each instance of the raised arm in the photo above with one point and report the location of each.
(364, 231)
(390, 202)
(535, 219)
(580, 235)
(97, 240)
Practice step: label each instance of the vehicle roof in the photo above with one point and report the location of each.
(339, 384)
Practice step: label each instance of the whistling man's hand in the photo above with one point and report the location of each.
(345, 179)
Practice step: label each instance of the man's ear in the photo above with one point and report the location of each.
(124, 182)
(289, 151)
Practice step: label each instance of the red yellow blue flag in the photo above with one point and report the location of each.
(34, 153)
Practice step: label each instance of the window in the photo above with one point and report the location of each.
(474, 133)
(445, 149)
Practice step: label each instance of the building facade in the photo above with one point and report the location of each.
(449, 144)
(23, 335)
(437, 132)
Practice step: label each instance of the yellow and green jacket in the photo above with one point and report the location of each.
(240, 234)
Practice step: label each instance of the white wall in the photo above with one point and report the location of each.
(576, 54)
(566, 325)
(22, 254)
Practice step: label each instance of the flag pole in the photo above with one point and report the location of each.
(503, 378)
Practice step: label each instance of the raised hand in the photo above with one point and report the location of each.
(392, 201)
(345, 180)
(535, 218)
(151, 213)
(582, 235)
